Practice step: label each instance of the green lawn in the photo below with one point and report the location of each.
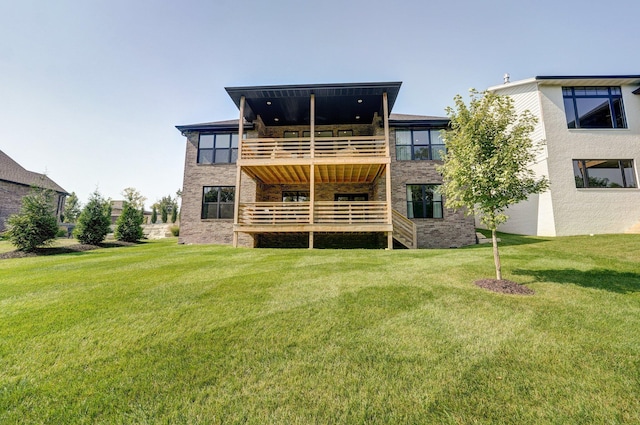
(164, 333)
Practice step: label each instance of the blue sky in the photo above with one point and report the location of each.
(90, 90)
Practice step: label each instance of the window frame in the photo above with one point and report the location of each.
(621, 167)
(613, 94)
(413, 147)
(217, 203)
(232, 155)
(425, 203)
(351, 197)
(297, 194)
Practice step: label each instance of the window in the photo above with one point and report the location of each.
(217, 201)
(218, 148)
(351, 197)
(295, 196)
(424, 201)
(604, 173)
(345, 133)
(419, 144)
(594, 107)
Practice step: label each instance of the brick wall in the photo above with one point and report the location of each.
(11, 195)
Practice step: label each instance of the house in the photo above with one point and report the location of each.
(591, 129)
(319, 165)
(16, 182)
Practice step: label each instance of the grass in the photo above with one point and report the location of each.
(163, 333)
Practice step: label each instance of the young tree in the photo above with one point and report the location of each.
(72, 208)
(174, 214)
(36, 224)
(487, 164)
(164, 213)
(129, 224)
(94, 221)
(133, 197)
(154, 215)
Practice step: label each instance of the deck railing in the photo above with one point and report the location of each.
(325, 212)
(325, 147)
(404, 230)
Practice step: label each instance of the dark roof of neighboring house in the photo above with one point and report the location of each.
(340, 103)
(636, 91)
(13, 172)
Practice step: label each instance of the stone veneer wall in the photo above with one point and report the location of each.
(193, 229)
(11, 195)
(453, 230)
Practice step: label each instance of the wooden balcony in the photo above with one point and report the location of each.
(288, 150)
(328, 216)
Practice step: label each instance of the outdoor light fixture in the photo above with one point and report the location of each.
(357, 117)
(269, 102)
(359, 100)
(276, 119)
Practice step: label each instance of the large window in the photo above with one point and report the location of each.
(295, 196)
(594, 107)
(419, 144)
(218, 148)
(217, 201)
(604, 173)
(424, 201)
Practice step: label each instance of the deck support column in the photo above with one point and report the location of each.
(312, 168)
(387, 176)
(236, 197)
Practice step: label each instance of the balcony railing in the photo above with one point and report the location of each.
(324, 147)
(325, 212)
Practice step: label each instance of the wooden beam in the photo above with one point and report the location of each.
(236, 203)
(385, 106)
(312, 123)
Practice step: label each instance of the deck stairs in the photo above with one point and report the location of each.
(404, 230)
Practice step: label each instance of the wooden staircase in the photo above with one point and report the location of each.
(404, 230)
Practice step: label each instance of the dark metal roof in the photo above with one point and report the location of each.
(228, 125)
(405, 120)
(13, 172)
(586, 77)
(348, 103)
(636, 91)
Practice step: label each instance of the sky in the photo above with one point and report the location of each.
(91, 90)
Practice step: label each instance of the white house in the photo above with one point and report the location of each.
(591, 126)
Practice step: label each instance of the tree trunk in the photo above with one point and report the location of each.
(496, 254)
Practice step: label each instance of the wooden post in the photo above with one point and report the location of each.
(236, 203)
(387, 175)
(312, 168)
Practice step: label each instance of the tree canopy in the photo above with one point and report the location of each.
(36, 224)
(487, 165)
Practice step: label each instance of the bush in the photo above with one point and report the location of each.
(129, 224)
(36, 224)
(94, 221)
(154, 215)
(164, 215)
(175, 230)
(62, 232)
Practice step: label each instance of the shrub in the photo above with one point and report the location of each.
(164, 215)
(36, 224)
(129, 224)
(154, 215)
(94, 221)
(174, 213)
(62, 232)
(175, 230)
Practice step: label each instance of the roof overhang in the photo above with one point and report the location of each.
(350, 103)
(589, 80)
(218, 126)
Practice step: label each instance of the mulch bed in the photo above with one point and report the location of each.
(504, 286)
(62, 249)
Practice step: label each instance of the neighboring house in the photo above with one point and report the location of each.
(591, 125)
(116, 211)
(16, 182)
(322, 165)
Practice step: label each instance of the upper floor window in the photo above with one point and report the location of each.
(604, 173)
(217, 201)
(295, 196)
(318, 133)
(594, 107)
(218, 148)
(419, 144)
(424, 201)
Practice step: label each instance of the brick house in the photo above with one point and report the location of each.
(321, 165)
(16, 182)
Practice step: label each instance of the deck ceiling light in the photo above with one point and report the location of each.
(269, 102)
(357, 117)
(276, 119)
(359, 100)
